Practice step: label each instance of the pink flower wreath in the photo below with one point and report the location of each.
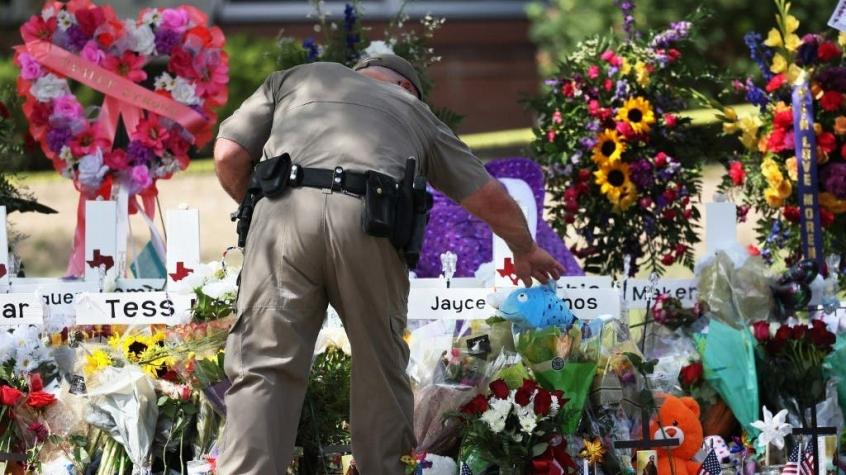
(164, 116)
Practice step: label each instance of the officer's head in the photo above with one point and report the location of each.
(393, 69)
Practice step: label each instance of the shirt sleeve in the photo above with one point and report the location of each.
(451, 167)
(250, 125)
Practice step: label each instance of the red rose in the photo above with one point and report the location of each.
(820, 336)
(668, 259)
(826, 217)
(791, 213)
(775, 142)
(831, 101)
(499, 389)
(39, 399)
(783, 119)
(799, 332)
(523, 396)
(670, 120)
(737, 173)
(477, 405)
(776, 82)
(9, 396)
(761, 330)
(691, 374)
(828, 51)
(661, 160)
(777, 343)
(543, 401)
(568, 90)
(827, 142)
(35, 382)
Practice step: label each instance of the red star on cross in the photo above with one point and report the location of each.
(101, 260)
(508, 271)
(181, 272)
(2, 270)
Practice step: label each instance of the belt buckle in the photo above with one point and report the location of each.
(337, 183)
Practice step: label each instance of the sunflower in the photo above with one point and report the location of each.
(155, 361)
(615, 183)
(96, 361)
(609, 147)
(637, 112)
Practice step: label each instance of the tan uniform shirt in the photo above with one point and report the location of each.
(326, 115)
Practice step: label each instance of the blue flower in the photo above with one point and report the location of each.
(756, 95)
(311, 48)
(759, 53)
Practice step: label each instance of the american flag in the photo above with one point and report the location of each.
(792, 466)
(808, 460)
(711, 465)
(465, 470)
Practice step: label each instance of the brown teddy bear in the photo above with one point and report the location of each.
(678, 418)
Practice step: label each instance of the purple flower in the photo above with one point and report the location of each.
(139, 179)
(588, 143)
(807, 53)
(627, 8)
(140, 153)
(166, 40)
(756, 96)
(58, 138)
(760, 54)
(641, 173)
(832, 79)
(677, 32)
(311, 48)
(834, 179)
(622, 89)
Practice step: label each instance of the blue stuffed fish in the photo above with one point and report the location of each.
(537, 307)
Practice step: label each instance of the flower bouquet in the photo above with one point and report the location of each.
(622, 163)
(765, 173)
(517, 429)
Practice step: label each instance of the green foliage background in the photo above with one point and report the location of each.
(557, 25)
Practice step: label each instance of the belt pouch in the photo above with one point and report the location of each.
(272, 175)
(380, 198)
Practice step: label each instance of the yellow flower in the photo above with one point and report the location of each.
(792, 42)
(614, 182)
(155, 362)
(791, 24)
(773, 39)
(593, 450)
(792, 167)
(785, 189)
(793, 73)
(637, 112)
(779, 64)
(730, 128)
(642, 73)
(730, 113)
(831, 203)
(626, 67)
(773, 198)
(95, 362)
(772, 172)
(749, 125)
(841, 38)
(609, 147)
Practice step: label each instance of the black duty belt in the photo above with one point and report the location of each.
(353, 183)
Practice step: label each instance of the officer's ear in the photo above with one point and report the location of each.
(408, 86)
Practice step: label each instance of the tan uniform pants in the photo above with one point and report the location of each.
(307, 249)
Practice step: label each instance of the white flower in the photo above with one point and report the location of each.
(376, 48)
(26, 362)
(92, 170)
(48, 13)
(184, 92)
(65, 20)
(332, 336)
(66, 154)
(142, 38)
(49, 87)
(554, 407)
(152, 17)
(496, 414)
(527, 418)
(7, 347)
(164, 81)
(224, 289)
(440, 465)
(773, 429)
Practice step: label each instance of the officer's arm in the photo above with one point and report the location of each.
(233, 166)
(493, 205)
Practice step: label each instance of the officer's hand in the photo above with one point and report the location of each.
(536, 263)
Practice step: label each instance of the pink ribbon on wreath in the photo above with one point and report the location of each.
(123, 98)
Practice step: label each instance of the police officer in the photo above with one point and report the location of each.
(307, 249)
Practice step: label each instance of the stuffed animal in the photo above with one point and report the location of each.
(678, 418)
(537, 307)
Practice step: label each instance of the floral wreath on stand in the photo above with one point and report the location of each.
(161, 76)
(622, 164)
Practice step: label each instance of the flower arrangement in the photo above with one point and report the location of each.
(215, 286)
(168, 50)
(512, 426)
(765, 172)
(622, 164)
(790, 363)
(670, 312)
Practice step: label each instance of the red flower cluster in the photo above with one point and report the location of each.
(37, 398)
(817, 335)
(522, 396)
(691, 375)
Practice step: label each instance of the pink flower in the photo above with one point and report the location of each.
(139, 179)
(609, 57)
(117, 160)
(550, 136)
(87, 141)
(38, 29)
(556, 117)
(152, 134)
(593, 72)
(30, 69)
(177, 144)
(212, 74)
(92, 53)
(174, 19)
(128, 65)
(67, 106)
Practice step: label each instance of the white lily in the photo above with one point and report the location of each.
(773, 428)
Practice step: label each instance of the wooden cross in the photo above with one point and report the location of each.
(646, 442)
(815, 432)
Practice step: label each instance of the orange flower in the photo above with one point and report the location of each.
(840, 125)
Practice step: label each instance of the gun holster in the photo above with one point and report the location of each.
(269, 179)
(412, 204)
